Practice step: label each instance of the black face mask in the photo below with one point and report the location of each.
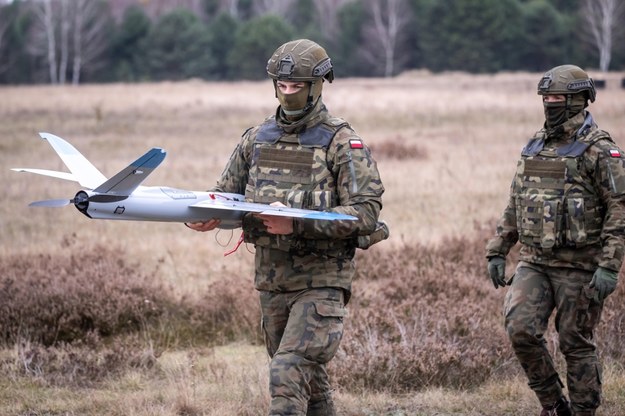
(555, 113)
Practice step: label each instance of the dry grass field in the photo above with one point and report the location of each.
(446, 147)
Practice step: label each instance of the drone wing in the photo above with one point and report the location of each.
(229, 205)
(128, 179)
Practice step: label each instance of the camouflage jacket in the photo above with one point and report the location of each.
(317, 163)
(567, 200)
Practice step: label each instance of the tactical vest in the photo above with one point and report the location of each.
(556, 204)
(292, 169)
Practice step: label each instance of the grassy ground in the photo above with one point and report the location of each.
(231, 380)
(464, 134)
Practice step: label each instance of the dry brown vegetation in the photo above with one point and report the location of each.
(116, 318)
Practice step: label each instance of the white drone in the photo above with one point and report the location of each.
(123, 198)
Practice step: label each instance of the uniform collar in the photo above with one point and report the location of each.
(315, 116)
(570, 128)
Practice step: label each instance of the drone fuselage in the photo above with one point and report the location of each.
(163, 204)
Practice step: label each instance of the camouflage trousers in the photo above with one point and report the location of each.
(534, 294)
(302, 332)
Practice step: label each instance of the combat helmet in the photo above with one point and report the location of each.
(300, 60)
(567, 80)
(574, 84)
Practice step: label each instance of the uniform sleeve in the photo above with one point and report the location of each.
(235, 175)
(359, 191)
(610, 178)
(506, 235)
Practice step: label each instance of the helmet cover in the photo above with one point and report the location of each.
(567, 80)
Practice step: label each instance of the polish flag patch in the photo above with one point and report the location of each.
(356, 144)
(615, 153)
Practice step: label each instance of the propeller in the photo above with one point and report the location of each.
(51, 203)
(80, 200)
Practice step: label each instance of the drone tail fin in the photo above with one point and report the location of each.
(82, 170)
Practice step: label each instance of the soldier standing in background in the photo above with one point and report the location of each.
(304, 158)
(567, 208)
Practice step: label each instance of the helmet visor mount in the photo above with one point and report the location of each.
(286, 67)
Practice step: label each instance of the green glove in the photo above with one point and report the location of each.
(604, 282)
(497, 270)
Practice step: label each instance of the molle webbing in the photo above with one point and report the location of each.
(545, 169)
(554, 208)
(293, 166)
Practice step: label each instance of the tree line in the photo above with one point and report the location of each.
(76, 41)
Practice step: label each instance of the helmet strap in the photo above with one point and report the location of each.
(309, 100)
(567, 111)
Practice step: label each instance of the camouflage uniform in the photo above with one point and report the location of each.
(304, 278)
(567, 208)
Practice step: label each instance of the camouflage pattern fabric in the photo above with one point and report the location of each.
(576, 219)
(319, 163)
(534, 293)
(305, 278)
(567, 208)
(302, 332)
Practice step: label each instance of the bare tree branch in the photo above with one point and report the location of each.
(328, 12)
(89, 38)
(602, 17)
(389, 18)
(65, 27)
(78, 23)
(44, 38)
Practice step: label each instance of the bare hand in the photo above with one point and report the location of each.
(203, 226)
(277, 224)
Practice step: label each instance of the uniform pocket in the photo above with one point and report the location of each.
(551, 224)
(588, 312)
(328, 331)
(295, 198)
(576, 230)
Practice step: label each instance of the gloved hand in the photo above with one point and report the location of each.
(497, 270)
(604, 282)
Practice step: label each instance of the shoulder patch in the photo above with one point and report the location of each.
(615, 153)
(356, 144)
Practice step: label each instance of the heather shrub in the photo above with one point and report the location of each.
(84, 363)
(75, 319)
(610, 336)
(422, 317)
(228, 311)
(61, 299)
(428, 316)
(397, 148)
(51, 300)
